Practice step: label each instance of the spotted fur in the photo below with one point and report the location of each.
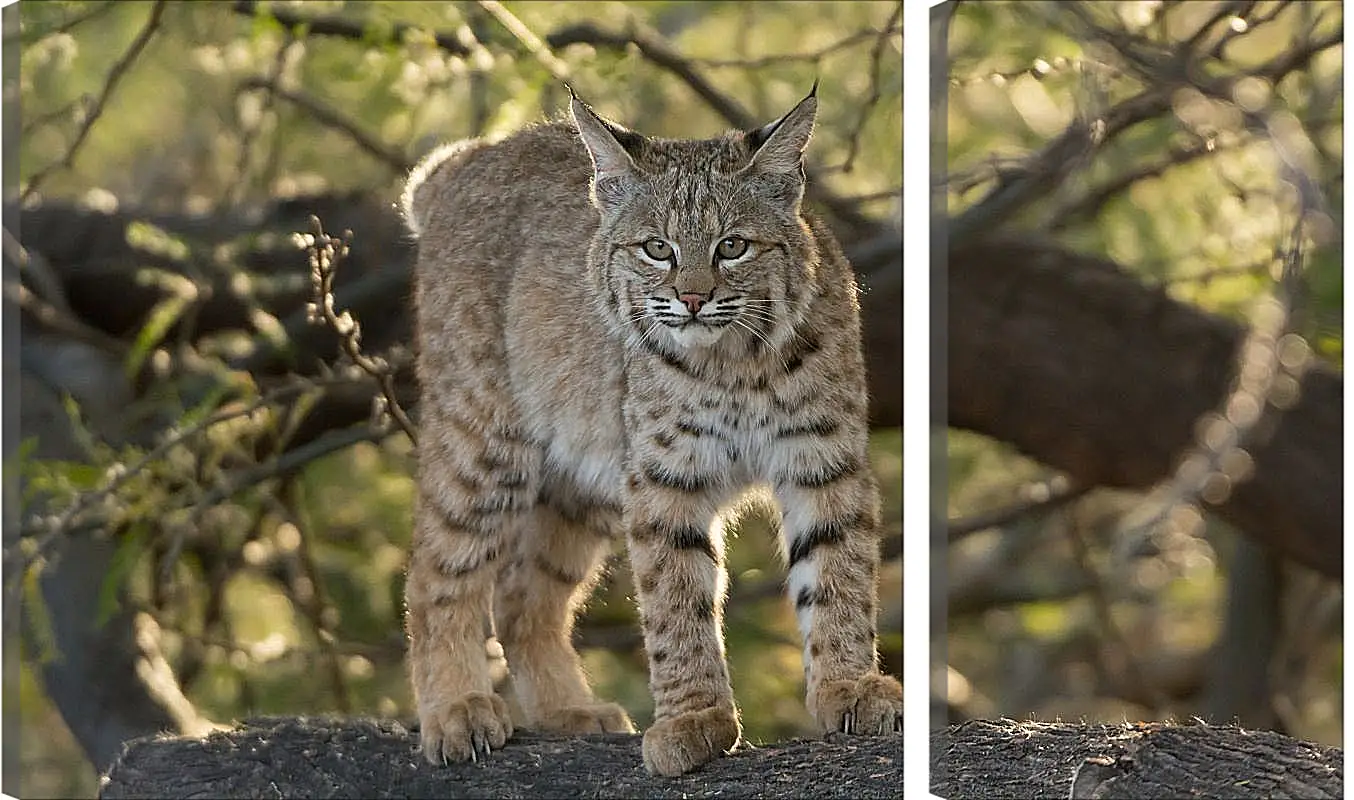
(618, 336)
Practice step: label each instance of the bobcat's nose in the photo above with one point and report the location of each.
(693, 302)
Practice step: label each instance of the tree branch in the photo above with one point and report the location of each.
(330, 118)
(1038, 358)
(115, 76)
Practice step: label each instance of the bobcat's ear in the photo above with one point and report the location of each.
(778, 148)
(614, 170)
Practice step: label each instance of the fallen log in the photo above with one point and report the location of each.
(320, 757)
(1008, 759)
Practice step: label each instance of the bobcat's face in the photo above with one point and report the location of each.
(701, 241)
(703, 258)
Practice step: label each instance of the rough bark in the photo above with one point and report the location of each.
(1026, 760)
(1082, 367)
(300, 757)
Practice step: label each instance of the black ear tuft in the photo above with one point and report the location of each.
(757, 137)
(631, 141)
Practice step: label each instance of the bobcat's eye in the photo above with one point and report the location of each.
(658, 250)
(731, 247)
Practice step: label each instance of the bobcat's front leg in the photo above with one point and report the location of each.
(831, 507)
(448, 591)
(470, 486)
(679, 572)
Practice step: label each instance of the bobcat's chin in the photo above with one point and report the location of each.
(696, 334)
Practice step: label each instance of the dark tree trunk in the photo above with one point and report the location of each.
(1082, 367)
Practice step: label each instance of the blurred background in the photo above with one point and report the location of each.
(1143, 477)
(215, 512)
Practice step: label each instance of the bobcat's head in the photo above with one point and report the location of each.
(702, 240)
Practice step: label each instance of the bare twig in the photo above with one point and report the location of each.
(1052, 496)
(1125, 665)
(119, 478)
(533, 44)
(326, 252)
(54, 318)
(115, 76)
(876, 58)
(656, 49)
(327, 116)
(65, 27)
(37, 537)
(36, 268)
(896, 193)
(814, 56)
(316, 607)
(1045, 171)
(976, 597)
(327, 25)
(290, 462)
(47, 118)
(250, 132)
(650, 45)
(1086, 206)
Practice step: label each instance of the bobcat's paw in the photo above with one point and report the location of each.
(872, 704)
(590, 718)
(465, 729)
(679, 744)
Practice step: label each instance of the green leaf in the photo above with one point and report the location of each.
(79, 431)
(125, 558)
(264, 24)
(39, 620)
(158, 322)
(151, 239)
(209, 404)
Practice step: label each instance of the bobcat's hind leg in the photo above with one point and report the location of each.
(540, 587)
(470, 489)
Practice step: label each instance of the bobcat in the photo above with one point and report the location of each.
(617, 335)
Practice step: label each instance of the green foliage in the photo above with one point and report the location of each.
(132, 547)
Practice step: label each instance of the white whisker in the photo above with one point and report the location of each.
(770, 347)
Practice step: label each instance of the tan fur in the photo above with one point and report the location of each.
(576, 390)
